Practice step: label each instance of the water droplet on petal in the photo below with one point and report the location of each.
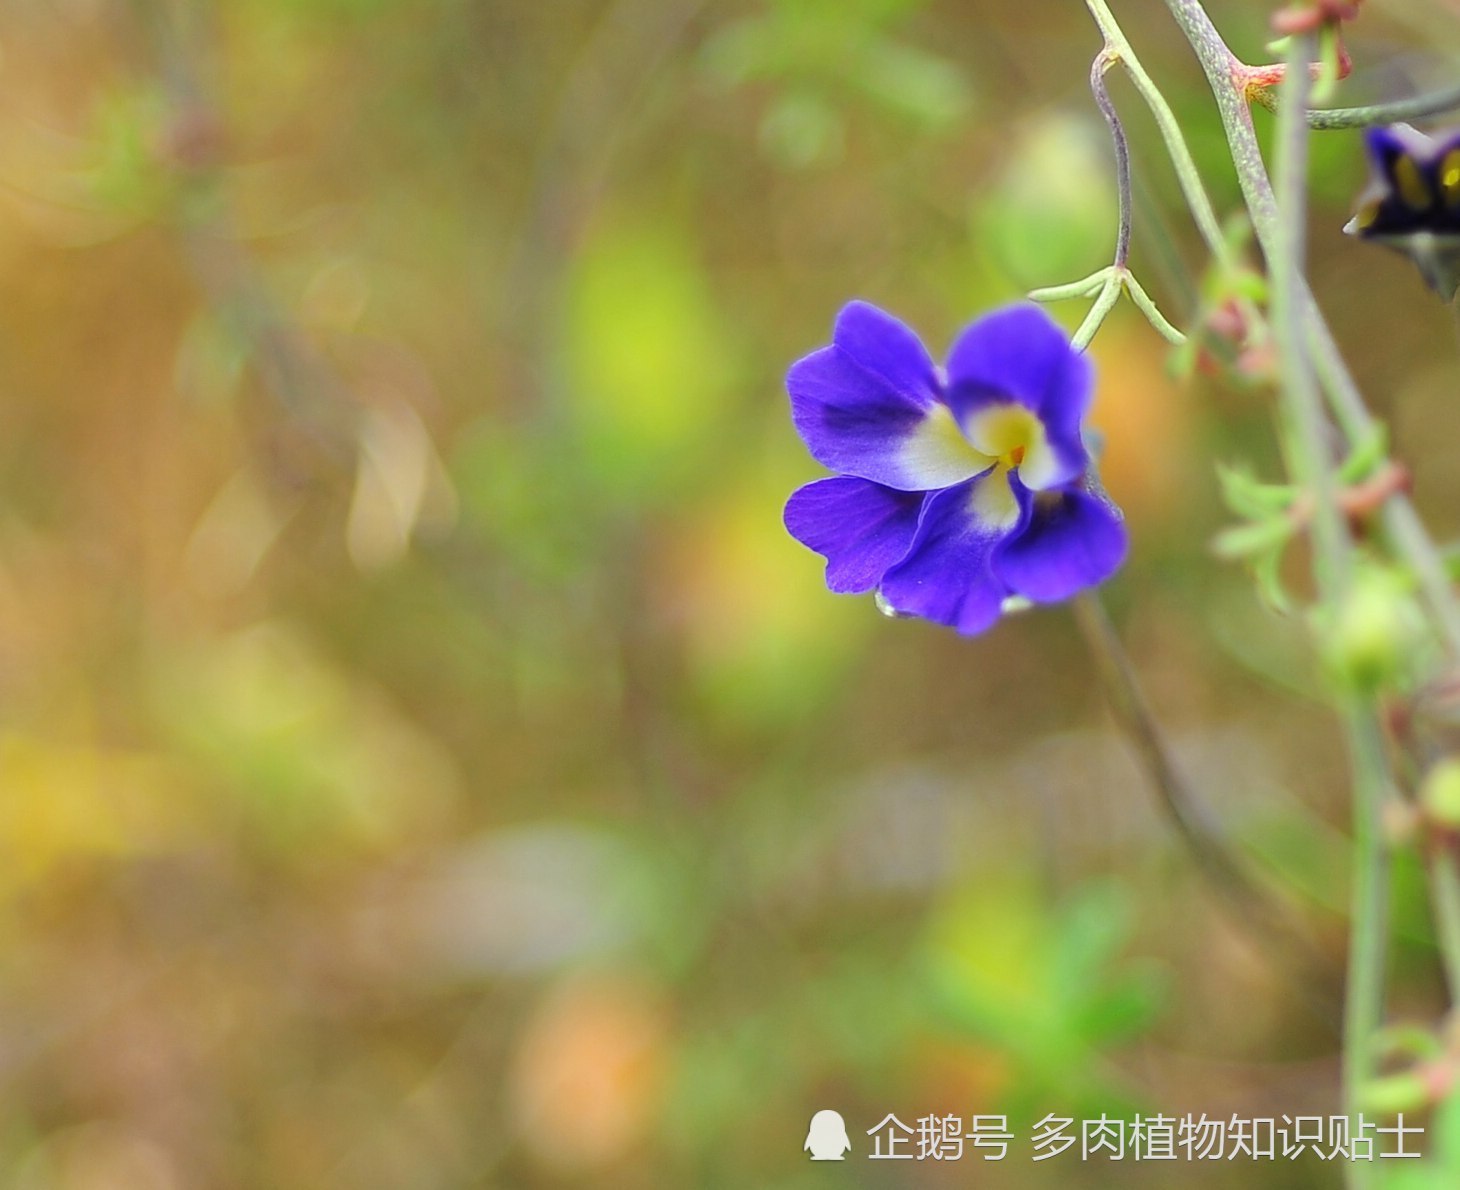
(887, 609)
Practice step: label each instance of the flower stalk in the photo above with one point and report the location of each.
(1252, 907)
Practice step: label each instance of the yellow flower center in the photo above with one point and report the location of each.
(1008, 433)
(1011, 436)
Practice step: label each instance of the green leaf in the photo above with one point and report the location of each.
(1267, 570)
(1092, 932)
(1126, 1010)
(1249, 497)
(1253, 538)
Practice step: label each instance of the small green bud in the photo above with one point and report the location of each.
(1408, 1091)
(1440, 794)
(1378, 629)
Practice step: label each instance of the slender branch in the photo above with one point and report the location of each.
(1220, 66)
(1147, 307)
(1445, 100)
(1104, 303)
(1364, 1002)
(1303, 325)
(1411, 539)
(1417, 548)
(1133, 713)
(1307, 427)
(1084, 287)
(1250, 904)
(301, 380)
(1103, 62)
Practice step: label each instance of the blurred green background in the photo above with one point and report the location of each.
(425, 761)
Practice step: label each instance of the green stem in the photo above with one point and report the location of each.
(1323, 119)
(1445, 893)
(1364, 1004)
(1307, 427)
(1302, 329)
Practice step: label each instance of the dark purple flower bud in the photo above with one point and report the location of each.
(1412, 202)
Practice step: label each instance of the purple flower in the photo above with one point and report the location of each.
(954, 491)
(1412, 201)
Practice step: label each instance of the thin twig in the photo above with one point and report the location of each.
(1147, 307)
(1103, 62)
(1084, 287)
(1103, 304)
(1432, 104)
(1406, 530)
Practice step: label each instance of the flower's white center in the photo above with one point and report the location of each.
(1013, 438)
(998, 439)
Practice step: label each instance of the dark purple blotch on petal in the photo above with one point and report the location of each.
(856, 403)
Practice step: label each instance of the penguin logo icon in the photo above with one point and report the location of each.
(826, 1139)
